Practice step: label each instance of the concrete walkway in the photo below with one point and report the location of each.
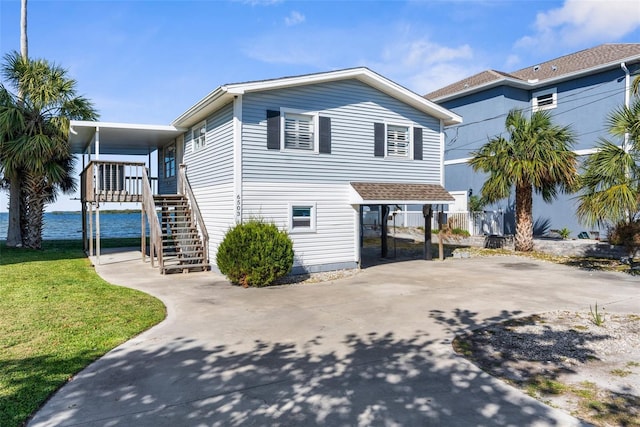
(372, 349)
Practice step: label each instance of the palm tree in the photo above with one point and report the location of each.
(611, 176)
(536, 157)
(13, 179)
(34, 129)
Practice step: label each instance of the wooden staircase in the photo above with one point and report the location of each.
(182, 246)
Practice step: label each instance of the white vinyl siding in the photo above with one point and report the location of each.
(398, 143)
(299, 131)
(210, 173)
(335, 228)
(353, 108)
(214, 163)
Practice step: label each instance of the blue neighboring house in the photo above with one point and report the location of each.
(580, 89)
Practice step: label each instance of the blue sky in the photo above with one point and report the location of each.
(148, 61)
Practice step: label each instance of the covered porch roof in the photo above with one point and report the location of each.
(119, 138)
(385, 193)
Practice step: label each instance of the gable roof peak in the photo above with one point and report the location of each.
(224, 94)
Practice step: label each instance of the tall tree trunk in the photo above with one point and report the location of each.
(524, 218)
(24, 42)
(14, 229)
(16, 201)
(36, 193)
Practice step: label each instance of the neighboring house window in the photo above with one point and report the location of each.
(299, 131)
(199, 136)
(302, 217)
(170, 161)
(397, 141)
(545, 101)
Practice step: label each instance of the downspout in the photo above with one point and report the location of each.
(627, 99)
(442, 143)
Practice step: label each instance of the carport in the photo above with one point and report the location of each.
(386, 194)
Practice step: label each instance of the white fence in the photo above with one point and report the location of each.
(476, 223)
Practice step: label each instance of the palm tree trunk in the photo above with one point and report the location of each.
(24, 42)
(524, 218)
(14, 229)
(16, 199)
(36, 191)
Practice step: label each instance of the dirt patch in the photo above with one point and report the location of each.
(565, 360)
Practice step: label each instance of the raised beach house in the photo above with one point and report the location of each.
(306, 152)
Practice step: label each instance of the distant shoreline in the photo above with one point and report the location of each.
(105, 211)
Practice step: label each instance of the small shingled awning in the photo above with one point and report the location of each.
(386, 193)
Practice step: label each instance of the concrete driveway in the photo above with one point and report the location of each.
(372, 349)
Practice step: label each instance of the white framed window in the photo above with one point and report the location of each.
(398, 141)
(169, 160)
(302, 217)
(199, 136)
(544, 101)
(299, 131)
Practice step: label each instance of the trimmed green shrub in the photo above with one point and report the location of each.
(255, 253)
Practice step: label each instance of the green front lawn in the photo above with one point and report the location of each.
(57, 316)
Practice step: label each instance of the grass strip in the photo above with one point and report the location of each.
(57, 316)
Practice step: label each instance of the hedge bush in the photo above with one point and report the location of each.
(255, 253)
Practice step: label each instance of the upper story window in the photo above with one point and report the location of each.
(299, 131)
(170, 160)
(199, 136)
(398, 141)
(545, 101)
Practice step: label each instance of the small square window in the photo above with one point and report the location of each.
(302, 218)
(398, 141)
(199, 136)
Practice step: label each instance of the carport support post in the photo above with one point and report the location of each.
(427, 212)
(384, 210)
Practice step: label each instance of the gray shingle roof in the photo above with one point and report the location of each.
(579, 61)
(394, 192)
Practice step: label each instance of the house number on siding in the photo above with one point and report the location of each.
(238, 203)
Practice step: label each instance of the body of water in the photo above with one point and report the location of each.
(68, 225)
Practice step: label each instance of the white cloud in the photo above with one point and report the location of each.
(294, 18)
(580, 22)
(417, 63)
(423, 66)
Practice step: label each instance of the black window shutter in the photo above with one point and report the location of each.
(417, 143)
(325, 134)
(378, 138)
(273, 130)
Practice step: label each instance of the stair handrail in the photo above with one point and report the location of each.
(155, 232)
(201, 227)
